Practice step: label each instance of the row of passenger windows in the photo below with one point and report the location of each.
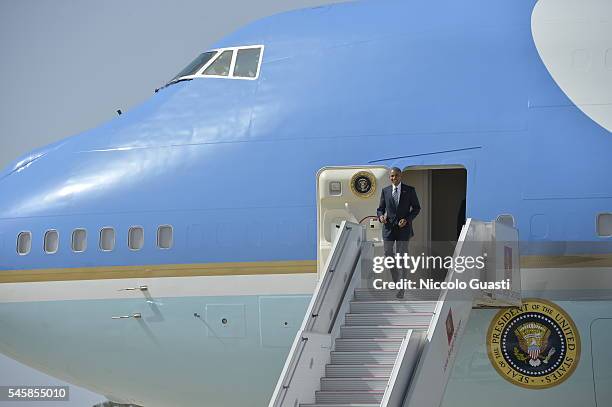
(106, 241)
(231, 63)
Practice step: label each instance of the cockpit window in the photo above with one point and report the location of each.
(231, 63)
(196, 64)
(247, 62)
(221, 65)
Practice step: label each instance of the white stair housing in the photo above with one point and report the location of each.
(362, 347)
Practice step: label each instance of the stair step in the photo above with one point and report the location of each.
(362, 371)
(389, 307)
(370, 294)
(362, 358)
(365, 345)
(328, 397)
(342, 405)
(397, 331)
(420, 318)
(356, 383)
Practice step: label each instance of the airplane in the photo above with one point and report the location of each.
(168, 257)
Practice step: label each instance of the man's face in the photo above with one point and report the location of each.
(395, 177)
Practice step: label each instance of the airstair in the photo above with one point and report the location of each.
(362, 347)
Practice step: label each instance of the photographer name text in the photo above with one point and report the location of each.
(431, 284)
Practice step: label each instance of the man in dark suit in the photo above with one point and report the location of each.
(398, 207)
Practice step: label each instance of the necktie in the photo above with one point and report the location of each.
(396, 195)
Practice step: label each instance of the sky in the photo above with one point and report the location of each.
(66, 66)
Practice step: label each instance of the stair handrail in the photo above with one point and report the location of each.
(331, 265)
(441, 344)
(314, 336)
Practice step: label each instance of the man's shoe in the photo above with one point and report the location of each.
(400, 294)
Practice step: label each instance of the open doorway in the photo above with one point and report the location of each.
(442, 195)
(441, 191)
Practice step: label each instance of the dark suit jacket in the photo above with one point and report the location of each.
(408, 209)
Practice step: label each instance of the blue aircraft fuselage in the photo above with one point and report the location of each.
(391, 83)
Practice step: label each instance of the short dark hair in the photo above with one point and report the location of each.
(396, 169)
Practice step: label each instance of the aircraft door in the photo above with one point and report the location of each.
(351, 194)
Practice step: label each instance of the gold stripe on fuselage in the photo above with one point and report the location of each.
(159, 270)
(248, 268)
(570, 261)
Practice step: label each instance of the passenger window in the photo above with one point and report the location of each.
(164, 237)
(24, 243)
(221, 65)
(79, 240)
(51, 241)
(107, 239)
(604, 225)
(505, 219)
(247, 62)
(136, 238)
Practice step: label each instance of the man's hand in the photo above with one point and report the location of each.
(382, 218)
(402, 223)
